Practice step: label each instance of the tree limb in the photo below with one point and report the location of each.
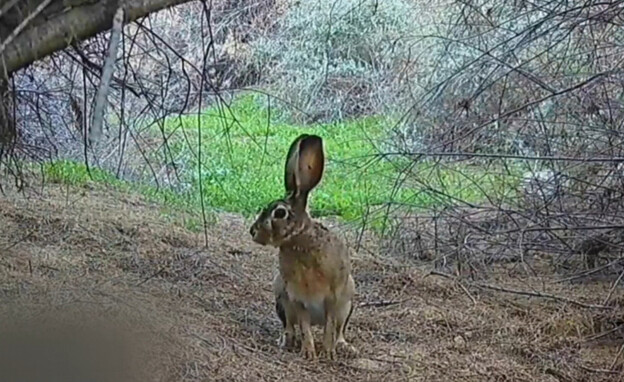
(59, 30)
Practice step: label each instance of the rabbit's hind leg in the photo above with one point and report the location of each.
(342, 346)
(287, 314)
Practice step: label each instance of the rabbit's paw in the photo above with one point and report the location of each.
(287, 341)
(346, 349)
(307, 351)
(329, 354)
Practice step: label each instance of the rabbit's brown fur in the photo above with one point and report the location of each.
(314, 285)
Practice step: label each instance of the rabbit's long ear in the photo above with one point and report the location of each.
(304, 165)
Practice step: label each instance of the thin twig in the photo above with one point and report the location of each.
(617, 357)
(503, 156)
(615, 284)
(380, 304)
(474, 300)
(22, 239)
(161, 270)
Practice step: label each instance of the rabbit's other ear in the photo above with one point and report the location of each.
(304, 165)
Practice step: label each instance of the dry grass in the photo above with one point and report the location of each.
(210, 308)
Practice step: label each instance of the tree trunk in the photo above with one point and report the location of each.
(7, 125)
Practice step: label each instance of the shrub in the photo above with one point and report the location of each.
(339, 59)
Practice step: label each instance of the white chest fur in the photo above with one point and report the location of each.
(315, 305)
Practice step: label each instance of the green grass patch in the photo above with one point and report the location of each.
(77, 174)
(243, 151)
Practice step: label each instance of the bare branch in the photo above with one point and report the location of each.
(78, 23)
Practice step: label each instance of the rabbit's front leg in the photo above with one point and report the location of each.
(329, 334)
(288, 316)
(307, 340)
(289, 337)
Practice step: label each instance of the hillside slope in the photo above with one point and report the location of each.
(211, 309)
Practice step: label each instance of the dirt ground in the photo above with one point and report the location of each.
(210, 312)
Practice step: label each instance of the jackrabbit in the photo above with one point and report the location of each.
(314, 285)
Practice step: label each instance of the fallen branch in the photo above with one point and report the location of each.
(590, 272)
(604, 334)
(524, 293)
(599, 371)
(551, 229)
(617, 358)
(615, 284)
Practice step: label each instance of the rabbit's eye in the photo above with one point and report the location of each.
(280, 213)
